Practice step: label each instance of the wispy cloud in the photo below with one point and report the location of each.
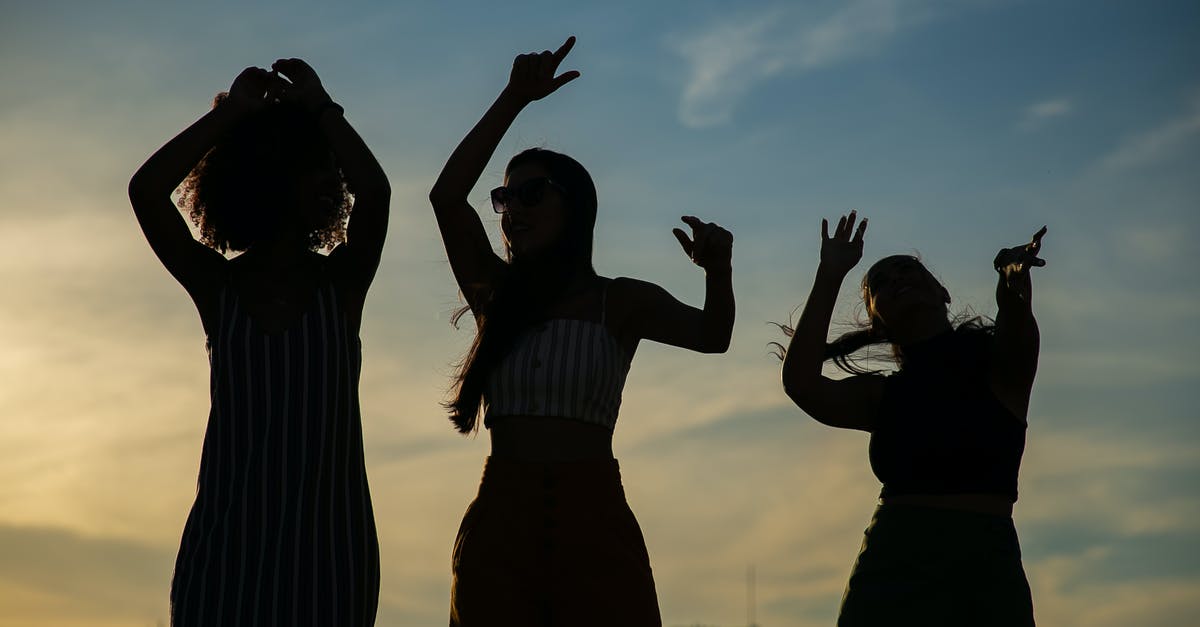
(728, 59)
(1156, 144)
(1038, 113)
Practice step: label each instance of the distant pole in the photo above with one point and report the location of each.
(750, 618)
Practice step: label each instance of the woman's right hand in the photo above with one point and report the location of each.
(842, 252)
(254, 89)
(532, 76)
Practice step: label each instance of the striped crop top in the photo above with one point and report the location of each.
(564, 368)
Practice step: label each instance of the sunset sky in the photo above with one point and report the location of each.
(956, 127)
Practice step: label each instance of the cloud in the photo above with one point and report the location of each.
(50, 574)
(730, 58)
(1039, 112)
(1156, 144)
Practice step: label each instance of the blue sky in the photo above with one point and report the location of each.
(957, 127)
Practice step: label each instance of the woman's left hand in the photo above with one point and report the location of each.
(710, 246)
(304, 86)
(1020, 259)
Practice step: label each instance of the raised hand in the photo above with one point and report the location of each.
(842, 252)
(533, 75)
(1020, 259)
(254, 89)
(710, 246)
(302, 85)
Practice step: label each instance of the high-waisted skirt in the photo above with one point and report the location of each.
(929, 566)
(550, 544)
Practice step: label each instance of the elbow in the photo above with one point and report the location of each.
(439, 196)
(797, 388)
(717, 345)
(139, 189)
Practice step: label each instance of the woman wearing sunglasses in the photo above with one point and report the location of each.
(947, 433)
(550, 539)
(281, 531)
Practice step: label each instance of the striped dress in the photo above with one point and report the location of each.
(281, 532)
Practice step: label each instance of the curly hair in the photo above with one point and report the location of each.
(244, 186)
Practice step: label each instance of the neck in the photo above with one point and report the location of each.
(919, 331)
(281, 250)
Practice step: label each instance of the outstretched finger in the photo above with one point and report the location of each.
(824, 230)
(858, 233)
(1037, 238)
(564, 78)
(564, 49)
(693, 221)
(840, 231)
(684, 241)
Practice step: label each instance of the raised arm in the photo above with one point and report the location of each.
(849, 403)
(660, 317)
(471, 257)
(1015, 355)
(193, 264)
(365, 233)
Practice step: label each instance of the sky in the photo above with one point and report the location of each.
(958, 128)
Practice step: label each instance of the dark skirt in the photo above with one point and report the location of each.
(928, 566)
(548, 545)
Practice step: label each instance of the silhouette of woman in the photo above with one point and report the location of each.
(281, 531)
(550, 539)
(947, 433)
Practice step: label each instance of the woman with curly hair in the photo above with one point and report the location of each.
(947, 433)
(550, 539)
(282, 530)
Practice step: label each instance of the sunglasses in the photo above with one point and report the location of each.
(530, 193)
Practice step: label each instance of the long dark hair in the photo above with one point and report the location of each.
(852, 351)
(526, 287)
(240, 190)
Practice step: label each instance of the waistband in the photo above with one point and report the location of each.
(922, 520)
(579, 479)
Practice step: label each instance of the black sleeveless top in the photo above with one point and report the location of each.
(940, 429)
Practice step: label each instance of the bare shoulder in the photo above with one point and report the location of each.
(634, 292)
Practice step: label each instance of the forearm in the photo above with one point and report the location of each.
(363, 173)
(1017, 333)
(169, 165)
(466, 163)
(806, 351)
(719, 309)
(364, 176)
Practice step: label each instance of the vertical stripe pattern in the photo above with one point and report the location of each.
(282, 532)
(565, 368)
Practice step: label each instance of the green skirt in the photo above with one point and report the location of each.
(929, 566)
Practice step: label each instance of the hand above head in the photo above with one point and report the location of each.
(710, 246)
(842, 252)
(254, 89)
(302, 85)
(533, 75)
(1020, 259)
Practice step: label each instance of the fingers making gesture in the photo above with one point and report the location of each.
(710, 246)
(844, 249)
(534, 76)
(1020, 259)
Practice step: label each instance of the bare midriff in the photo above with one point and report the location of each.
(994, 504)
(549, 439)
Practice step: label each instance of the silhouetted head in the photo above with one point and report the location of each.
(549, 204)
(902, 298)
(272, 175)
